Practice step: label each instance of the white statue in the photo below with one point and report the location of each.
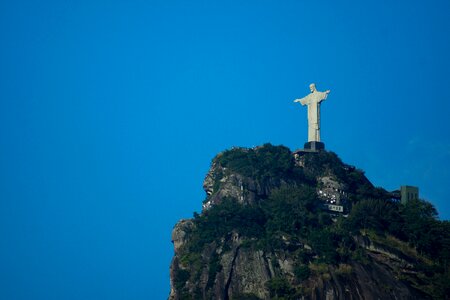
(313, 101)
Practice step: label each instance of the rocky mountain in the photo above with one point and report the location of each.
(304, 225)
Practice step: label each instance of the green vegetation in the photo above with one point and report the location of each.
(412, 229)
(292, 210)
(221, 220)
(376, 214)
(290, 217)
(280, 288)
(246, 296)
(323, 161)
(181, 276)
(302, 272)
(415, 222)
(261, 163)
(344, 270)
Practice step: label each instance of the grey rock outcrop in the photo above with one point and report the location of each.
(222, 183)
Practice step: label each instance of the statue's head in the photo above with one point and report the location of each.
(312, 87)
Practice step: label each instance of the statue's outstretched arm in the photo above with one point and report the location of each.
(302, 100)
(323, 95)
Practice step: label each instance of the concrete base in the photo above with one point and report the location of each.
(314, 146)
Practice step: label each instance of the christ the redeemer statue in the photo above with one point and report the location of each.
(313, 101)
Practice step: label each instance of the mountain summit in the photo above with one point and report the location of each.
(304, 225)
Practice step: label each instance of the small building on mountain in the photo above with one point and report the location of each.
(408, 193)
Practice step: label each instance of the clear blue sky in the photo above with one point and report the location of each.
(111, 111)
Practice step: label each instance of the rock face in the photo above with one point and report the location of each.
(240, 262)
(245, 273)
(220, 183)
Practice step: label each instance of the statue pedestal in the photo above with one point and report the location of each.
(314, 146)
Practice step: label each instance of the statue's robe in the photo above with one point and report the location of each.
(313, 101)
